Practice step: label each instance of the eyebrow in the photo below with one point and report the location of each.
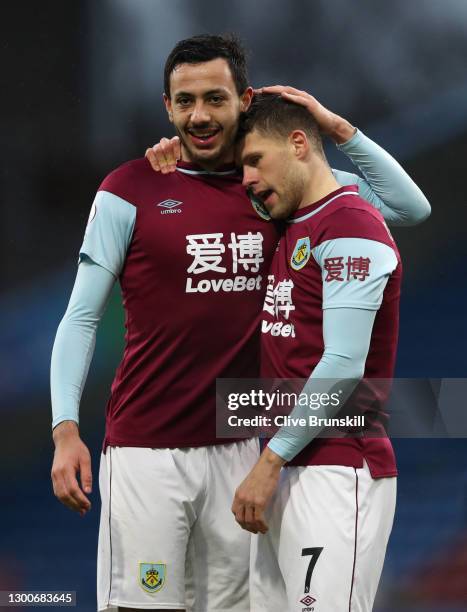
(248, 157)
(218, 90)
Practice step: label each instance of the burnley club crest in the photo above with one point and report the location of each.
(152, 576)
(301, 253)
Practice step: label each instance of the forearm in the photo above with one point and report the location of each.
(387, 186)
(71, 357)
(75, 340)
(342, 365)
(325, 382)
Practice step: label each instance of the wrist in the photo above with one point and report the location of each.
(343, 131)
(65, 429)
(272, 459)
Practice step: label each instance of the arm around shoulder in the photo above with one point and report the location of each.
(387, 185)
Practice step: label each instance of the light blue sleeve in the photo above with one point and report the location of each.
(347, 336)
(109, 231)
(386, 186)
(74, 343)
(354, 271)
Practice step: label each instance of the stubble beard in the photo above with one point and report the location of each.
(292, 194)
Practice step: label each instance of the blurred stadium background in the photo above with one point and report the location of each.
(82, 84)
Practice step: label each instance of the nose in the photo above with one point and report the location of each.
(200, 113)
(250, 176)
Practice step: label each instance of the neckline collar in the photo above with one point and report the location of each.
(193, 168)
(311, 208)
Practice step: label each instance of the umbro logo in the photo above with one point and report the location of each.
(170, 206)
(307, 601)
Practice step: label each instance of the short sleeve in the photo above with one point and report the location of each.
(109, 232)
(354, 271)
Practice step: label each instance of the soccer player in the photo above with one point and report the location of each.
(191, 252)
(335, 281)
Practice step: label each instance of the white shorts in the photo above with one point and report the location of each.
(324, 552)
(167, 537)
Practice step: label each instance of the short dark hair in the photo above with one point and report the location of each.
(273, 115)
(204, 48)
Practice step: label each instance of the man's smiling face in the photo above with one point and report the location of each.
(204, 107)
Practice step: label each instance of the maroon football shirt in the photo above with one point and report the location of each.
(193, 283)
(325, 260)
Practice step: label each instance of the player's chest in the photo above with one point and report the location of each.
(214, 233)
(294, 281)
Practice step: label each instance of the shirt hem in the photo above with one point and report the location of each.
(389, 474)
(112, 441)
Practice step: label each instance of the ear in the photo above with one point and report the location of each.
(168, 106)
(245, 99)
(299, 141)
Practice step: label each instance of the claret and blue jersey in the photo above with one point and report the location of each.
(335, 253)
(191, 253)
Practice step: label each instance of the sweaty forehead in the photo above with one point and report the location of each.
(199, 78)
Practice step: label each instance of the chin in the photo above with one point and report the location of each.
(278, 215)
(205, 154)
(275, 212)
(279, 212)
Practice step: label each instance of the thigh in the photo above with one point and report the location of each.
(330, 525)
(221, 549)
(146, 516)
(376, 507)
(267, 587)
(316, 526)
